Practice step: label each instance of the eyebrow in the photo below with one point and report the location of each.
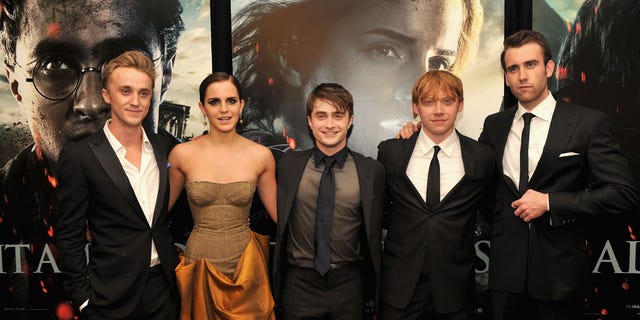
(108, 48)
(403, 38)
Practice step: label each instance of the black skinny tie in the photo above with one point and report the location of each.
(324, 216)
(433, 182)
(524, 153)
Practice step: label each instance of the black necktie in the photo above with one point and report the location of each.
(324, 216)
(433, 182)
(524, 153)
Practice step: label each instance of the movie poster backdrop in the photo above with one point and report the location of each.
(597, 56)
(47, 112)
(282, 49)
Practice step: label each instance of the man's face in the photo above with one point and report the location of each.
(60, 35)
(526, 74)
(438, 112)
(378, 55)
(128, 91)
(329, 126)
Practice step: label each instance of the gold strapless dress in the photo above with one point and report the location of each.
(223, 274)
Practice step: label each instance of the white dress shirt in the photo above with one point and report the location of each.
(449, 158)
(145, 182)
(538, 133)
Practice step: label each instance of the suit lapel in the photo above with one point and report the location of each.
(503, 126)
(109, 161)
(563, 123)
(291, 183)
(365, 181)
(404, 155)
(161, 159)
(469, 164)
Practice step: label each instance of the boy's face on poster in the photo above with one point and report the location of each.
(61, 42)
(379, 54)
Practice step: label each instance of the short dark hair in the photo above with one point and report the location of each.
(332, 93)
(165, 15)
(521, 38)
(218, 77)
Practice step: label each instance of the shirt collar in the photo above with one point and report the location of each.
(448, 145)
(543, 111)
(117, 146)
(340, 156)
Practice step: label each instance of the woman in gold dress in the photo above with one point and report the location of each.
(223, 274)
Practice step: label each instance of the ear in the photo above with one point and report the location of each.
(350, 121)
(286, 65)
(505, 80)
(13, 85)
(105, 96)
(201, 107)
(309, 121)
(167, 74)
(549, 68)
(241, 105)
(414, 106)
(460, 106)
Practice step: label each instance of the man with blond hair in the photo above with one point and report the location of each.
(116, 182)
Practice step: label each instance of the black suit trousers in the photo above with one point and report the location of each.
(337, 295)
(508, 305)
(421, 306)
(157, 302)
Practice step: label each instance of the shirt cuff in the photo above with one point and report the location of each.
(548, 206)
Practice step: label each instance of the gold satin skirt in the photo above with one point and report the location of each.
(206, 293)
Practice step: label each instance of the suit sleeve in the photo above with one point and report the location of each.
(386, 215)
(73, 199)
(489, 199)
(613, 190)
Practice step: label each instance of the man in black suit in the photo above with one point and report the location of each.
(328, 248)
(436, 182)
(115, 182)
(558, 164)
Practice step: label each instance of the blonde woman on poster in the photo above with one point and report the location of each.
(224, 270)
(283, 49)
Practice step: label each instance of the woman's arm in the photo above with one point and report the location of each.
(267, 188)
(176, 175)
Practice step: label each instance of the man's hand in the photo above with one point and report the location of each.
(532, 205)
(409, 129)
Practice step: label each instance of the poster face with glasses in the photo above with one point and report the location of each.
(598, 66)
(53, 52)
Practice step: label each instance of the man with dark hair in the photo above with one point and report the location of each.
(116, 183)
(54, 52)
(560, 164)
(330, 205)
(436, 181)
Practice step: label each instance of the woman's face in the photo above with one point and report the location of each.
(377, 52)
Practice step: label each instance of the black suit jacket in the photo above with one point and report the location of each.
(371, 181)
(94, 189)
(441, 239)
(584, 173)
